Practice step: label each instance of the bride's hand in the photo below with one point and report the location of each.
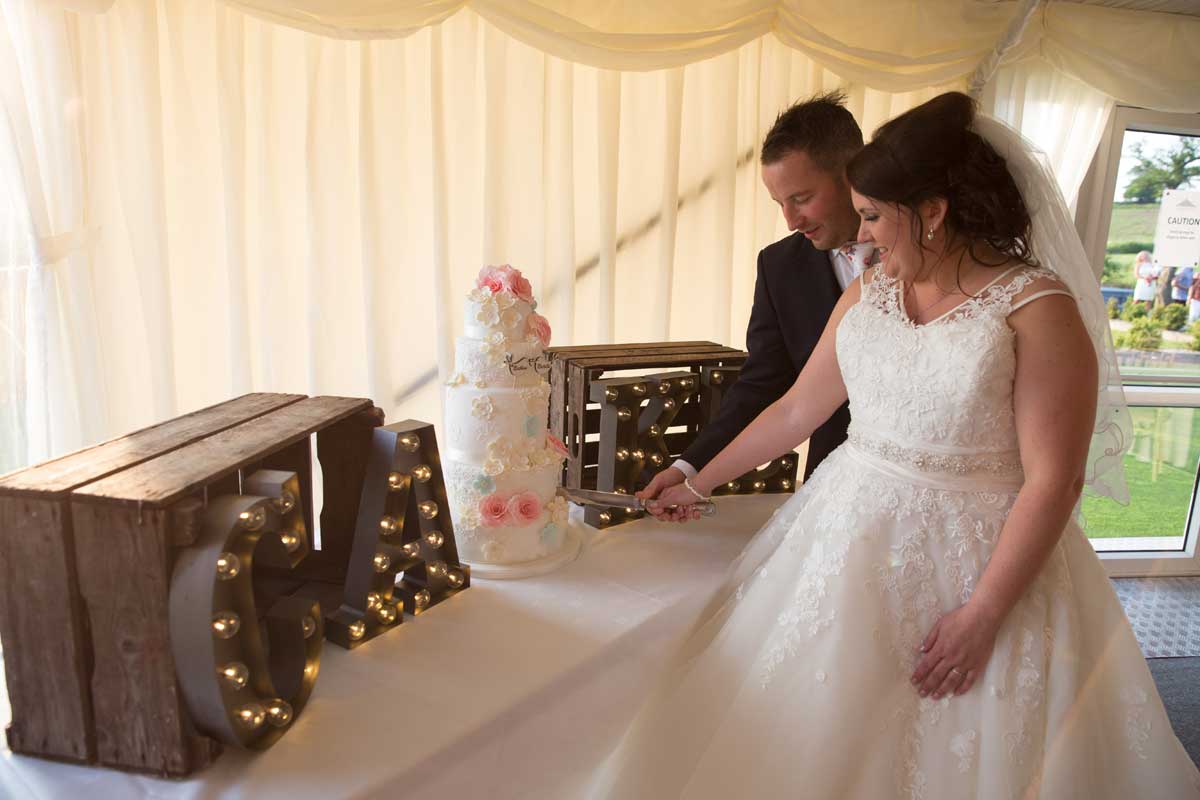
(963, 640)
(683, 501)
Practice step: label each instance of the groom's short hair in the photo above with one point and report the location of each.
(821, 127)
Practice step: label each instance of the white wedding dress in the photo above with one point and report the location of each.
(795, 682)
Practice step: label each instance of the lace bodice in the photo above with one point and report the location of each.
(937, 394)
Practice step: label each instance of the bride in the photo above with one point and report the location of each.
(924, 619)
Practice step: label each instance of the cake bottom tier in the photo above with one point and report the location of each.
(508, 540)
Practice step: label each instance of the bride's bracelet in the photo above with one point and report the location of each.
(688, 483)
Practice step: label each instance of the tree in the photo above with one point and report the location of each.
(1170, 169)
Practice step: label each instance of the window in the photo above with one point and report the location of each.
(1142, 156)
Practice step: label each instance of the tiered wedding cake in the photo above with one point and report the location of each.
(501, 464)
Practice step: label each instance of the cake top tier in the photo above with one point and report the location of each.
(502, 303)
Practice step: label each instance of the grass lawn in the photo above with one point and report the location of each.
(1159, 503)
(1133, 222)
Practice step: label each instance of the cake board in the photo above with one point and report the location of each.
(572, 545)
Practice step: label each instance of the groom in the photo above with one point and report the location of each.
(799, 278)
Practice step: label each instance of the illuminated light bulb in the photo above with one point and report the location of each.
(622, 453)
(785, 483)
(669, 403)
(611, 395)
(421, 598)
(639, 454)
(290, 541)
(605, 517)
(252, 518)
(422, 472)
(235, 673)
(656, 458)
(654, 430)
(437, 568)
(624, 414)
(410, 442)
(664, 387)
(387, 524)
(382, 562)
(412, 549)
(760, 485)
(718, 377)
(226, 624)
(435, 538)
(621, 490)
(357, 630)
(395, 480)
(734, 485)
(251, 715)
(228, 566)
(428, 509)
(455, 578)
(386, 614)
(688, 384)
(309, 626)
(285, 502)
(374, 601)
(629, 512)
(786, 463)
(638, 388)
(279, 712)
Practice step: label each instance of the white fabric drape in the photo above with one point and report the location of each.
(1143, 58)
(1061, 115)
(280, 211)
(51, 393)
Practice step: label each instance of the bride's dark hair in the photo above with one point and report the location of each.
(931, 151)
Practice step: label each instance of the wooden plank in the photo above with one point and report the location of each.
(171, 477)
(45, 649)
(125, 588)
(680, 359)
(575, 350)
(93, 463)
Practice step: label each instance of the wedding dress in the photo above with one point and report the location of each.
(795, 682)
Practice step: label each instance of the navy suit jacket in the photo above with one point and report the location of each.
(794, 296)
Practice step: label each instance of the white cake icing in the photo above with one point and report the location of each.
(500, 466)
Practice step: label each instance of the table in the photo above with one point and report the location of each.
(513, 689)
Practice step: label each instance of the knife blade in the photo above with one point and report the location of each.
(591, 497)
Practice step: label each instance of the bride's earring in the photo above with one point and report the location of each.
(929, 235)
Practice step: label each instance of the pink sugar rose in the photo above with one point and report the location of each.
(525, 507)
(555, 444)
(490, 279)
(493, 510)
(515, 282)
(539, 326)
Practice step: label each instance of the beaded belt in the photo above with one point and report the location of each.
(1005, 463)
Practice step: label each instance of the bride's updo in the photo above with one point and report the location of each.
(931, 151)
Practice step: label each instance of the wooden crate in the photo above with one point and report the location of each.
(120, 533)
(42, 622)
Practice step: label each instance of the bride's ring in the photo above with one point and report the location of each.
(955, 671)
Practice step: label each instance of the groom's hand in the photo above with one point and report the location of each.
(664, 480)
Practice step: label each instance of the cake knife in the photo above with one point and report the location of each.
(590, 497)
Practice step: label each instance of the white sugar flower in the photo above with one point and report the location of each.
(510, 318)
(480, 383)
(469, 517)
(493, 467)
(488, 313)
(478, 295)
(505, 300)
(482, 407)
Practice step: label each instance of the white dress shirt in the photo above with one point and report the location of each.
(848, 262)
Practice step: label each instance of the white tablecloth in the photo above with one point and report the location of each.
(513, 689)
